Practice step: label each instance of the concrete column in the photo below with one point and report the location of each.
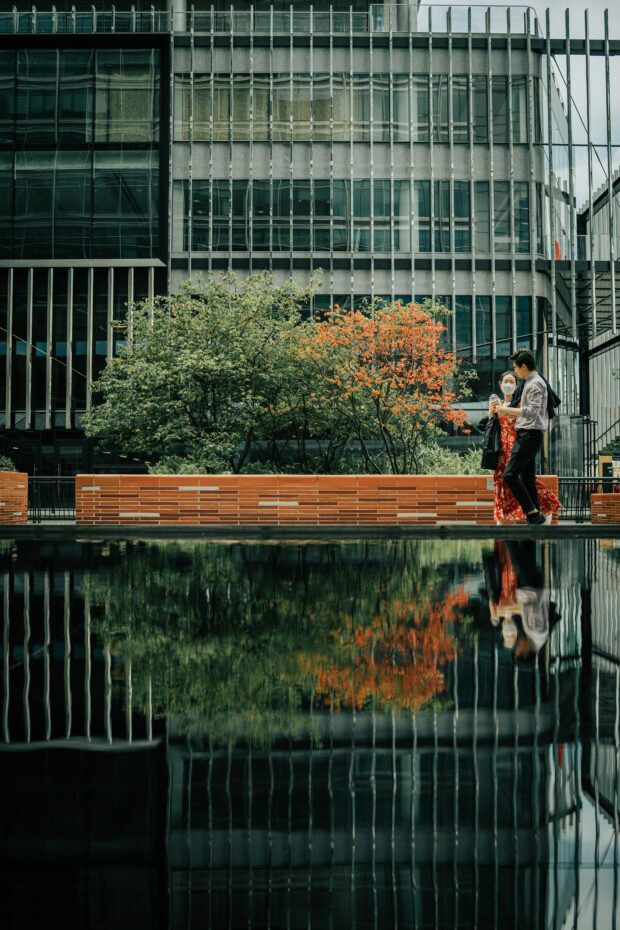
(178, 8)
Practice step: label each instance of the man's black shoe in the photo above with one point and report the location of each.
(535, 519)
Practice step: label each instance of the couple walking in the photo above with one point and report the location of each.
(523, 420)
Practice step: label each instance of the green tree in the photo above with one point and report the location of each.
(204, 381)
(205, 376)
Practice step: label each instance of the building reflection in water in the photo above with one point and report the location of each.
(381, 734)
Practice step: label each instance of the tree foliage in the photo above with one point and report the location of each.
(388, 376)
(203, 376)
(205, 379)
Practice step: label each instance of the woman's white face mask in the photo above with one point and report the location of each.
(508, 387)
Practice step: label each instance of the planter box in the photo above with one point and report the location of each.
(605, 508)
(285, 500)
(13, 497)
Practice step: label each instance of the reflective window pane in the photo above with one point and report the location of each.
(127, 96)
(481, 208)
(7, 94)
(480, 107)
(125, 204)
(6, 204)
(76, 82)
(37, 74)
(501, 193)
(34, 204)
(72, 205)
(499, 102)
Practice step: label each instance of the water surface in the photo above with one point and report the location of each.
(359, 734)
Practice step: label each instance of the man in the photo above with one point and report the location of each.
(532, 421)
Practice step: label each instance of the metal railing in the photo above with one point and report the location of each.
(575, 494)
(380, 17)
(51, 499)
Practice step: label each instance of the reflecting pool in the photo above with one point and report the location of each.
(340, 734)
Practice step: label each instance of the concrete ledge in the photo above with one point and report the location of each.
(64, 531)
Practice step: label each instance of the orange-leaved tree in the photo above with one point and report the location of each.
(387, 375)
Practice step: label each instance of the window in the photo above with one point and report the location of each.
(441, 125)
(422, 216)
(442, 212)
(522, 216)
(481, 208)
(321, 107)
(201, 200)
(34, 204)
(501, 193)
(402, 216)
(6, 203)
(301, 215)
(381, 107)
(519, 108)
(37, 72)
(462, 227)
(76, 86)
(503, 327)
(524, 322)
(72, 204)
(499, 103)
(360, 108)
(7, 96)
(125, 203)
(462, 322)
(400, 107)
(260, 218)
(483, 326)
(281, 102)
(127, 96)
(460, 108)
(480, 106)
(420, 108)
(301, 107)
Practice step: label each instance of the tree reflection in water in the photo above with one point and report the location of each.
(236, 641)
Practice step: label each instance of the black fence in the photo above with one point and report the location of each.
(51, 499)
(575, 494)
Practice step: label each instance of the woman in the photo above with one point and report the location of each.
(506, 509)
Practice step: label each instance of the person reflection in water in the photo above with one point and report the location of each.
(519, 601)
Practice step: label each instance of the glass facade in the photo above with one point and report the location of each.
(350, 216)
(340, 107)
(79, 153)
(399, 165)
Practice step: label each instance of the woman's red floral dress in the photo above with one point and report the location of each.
(506, 507)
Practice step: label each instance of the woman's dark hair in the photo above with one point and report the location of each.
(501, 377)
(524, 357)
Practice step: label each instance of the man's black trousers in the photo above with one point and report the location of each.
(520, 473)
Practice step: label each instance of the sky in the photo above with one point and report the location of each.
(557, 14)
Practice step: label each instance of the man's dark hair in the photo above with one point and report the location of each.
(524, 357)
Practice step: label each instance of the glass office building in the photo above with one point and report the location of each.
(406, 153)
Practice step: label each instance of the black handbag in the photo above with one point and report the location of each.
(491, 444)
